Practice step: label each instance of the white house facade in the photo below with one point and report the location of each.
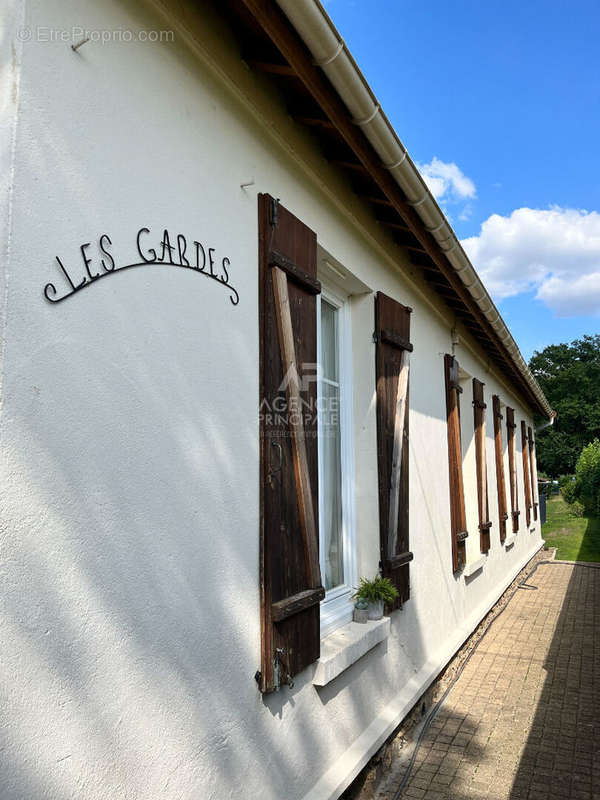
(244, 362)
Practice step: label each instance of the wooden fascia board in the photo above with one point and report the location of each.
(280, 31)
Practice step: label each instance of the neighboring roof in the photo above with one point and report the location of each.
(295, 41)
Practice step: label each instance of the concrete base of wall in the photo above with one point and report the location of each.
(346, 768)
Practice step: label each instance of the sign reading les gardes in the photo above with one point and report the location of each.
(172, 251)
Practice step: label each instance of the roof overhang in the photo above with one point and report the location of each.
(297, 45)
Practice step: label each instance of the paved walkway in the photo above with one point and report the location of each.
(523, 719)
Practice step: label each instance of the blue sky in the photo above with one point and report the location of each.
(499, 103)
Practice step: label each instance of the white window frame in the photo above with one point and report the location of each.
(337, 607)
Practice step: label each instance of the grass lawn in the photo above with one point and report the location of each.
(576, 538)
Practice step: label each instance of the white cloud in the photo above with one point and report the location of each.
(573, 297)
(446, 181)
(466, 213)
(554, 251)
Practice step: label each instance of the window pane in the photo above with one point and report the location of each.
(331, 479)
(329, 347)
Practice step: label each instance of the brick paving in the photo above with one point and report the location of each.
(522, 721)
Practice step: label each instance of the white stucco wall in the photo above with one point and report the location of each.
(129, 513)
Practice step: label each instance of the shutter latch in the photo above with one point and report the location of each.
(278, 662)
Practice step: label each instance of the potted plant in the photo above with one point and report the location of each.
(377, 593)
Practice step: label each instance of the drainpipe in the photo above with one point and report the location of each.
(331, 54)
(548, 424)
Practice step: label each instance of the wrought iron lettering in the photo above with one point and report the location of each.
(174, 252)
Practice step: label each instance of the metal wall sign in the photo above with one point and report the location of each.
(172, 251)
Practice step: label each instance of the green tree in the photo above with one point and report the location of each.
(587, 473)
(569, 375)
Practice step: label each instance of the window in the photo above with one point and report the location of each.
(479, 408)
(290, 575)
(455, 458)
(526, 473)
(533, 468)
(392, 360)
(334, 402)
(302, 481)
(512, 467)
(499, 457)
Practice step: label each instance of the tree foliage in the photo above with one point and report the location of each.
(569, 375)
(587, 475)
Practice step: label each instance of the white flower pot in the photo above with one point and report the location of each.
(375, 610)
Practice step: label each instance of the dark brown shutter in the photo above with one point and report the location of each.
(532, 468)
(526, 475)
(392, 330)
(512, 467)
(500, 483)
(457, 492)
(290, 578)
(479, 408)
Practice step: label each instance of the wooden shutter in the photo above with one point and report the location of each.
(392, 331)
(512, 467)
(479, 408)
(532, 467)
(526, 475)
(290, 578)
(457, 492)
(500, 483)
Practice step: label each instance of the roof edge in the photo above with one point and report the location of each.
(331, 55)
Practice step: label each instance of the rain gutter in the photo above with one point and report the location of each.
(329, 52)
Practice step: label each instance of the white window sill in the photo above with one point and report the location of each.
(346, 645)
(336, 611)
(509, 541)
(473, 566)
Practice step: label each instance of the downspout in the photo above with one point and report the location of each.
(330, 53)
(547, 424)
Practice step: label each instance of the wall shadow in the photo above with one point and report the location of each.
(589, 549)
(130, 606)
(563, 743)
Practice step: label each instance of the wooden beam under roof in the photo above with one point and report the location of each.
(280, 31)
(272, 68)
(382, 201)
(395, 225)
(355, 166)
(315, 122)
(425, 261)
(446, 291)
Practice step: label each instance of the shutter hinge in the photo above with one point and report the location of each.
(375, 337)
(273, 217)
